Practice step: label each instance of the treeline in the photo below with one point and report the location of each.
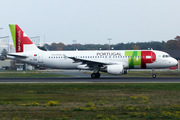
(173, 44)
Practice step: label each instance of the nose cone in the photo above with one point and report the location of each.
(174, 62)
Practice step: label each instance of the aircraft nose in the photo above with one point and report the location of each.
(174, 62)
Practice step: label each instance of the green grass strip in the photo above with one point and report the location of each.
(68, 101)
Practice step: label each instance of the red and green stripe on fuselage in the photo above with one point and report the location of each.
(139, 59)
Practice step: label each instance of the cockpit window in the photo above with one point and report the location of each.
(165, 56)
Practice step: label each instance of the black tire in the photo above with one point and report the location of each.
(98, 75)
(93, 75)
(154, 75)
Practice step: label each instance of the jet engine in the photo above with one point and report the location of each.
(116, 69)
(84, 67)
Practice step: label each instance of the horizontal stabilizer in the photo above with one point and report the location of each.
(17, 55)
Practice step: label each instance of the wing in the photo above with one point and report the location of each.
(90, 63)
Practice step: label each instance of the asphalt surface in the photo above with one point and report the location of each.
(81, 77)
(105, 79)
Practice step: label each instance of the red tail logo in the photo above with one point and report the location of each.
(21, 39)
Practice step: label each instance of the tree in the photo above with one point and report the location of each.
(177, 38)
(4, 52)
(135, 47)
(172, 45)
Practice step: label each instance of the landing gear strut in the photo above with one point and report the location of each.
(95, 75)
(153, 73)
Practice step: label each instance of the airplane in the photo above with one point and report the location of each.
(115, 62)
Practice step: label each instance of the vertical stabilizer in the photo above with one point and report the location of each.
(21, 41)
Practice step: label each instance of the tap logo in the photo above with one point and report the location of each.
(19, 38)
(140, 59)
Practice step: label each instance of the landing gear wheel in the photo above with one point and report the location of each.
(98, 75)
(93, 75)
(154, 75)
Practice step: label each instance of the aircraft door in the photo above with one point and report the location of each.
(40, 58)
(153, 56)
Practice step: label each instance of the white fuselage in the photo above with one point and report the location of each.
(60, 60)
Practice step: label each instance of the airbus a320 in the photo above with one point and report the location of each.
(115, 62)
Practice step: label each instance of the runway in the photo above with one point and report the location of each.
(111, 79)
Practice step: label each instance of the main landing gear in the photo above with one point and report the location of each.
(153, 73)
(95, 75)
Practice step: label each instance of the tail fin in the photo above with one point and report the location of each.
(21, 41)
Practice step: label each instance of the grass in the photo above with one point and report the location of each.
(29, 74)
(89, 101)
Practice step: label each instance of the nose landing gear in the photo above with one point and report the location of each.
(153, 73)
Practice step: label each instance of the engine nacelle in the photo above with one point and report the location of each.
(83, 67)
(115, 69)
